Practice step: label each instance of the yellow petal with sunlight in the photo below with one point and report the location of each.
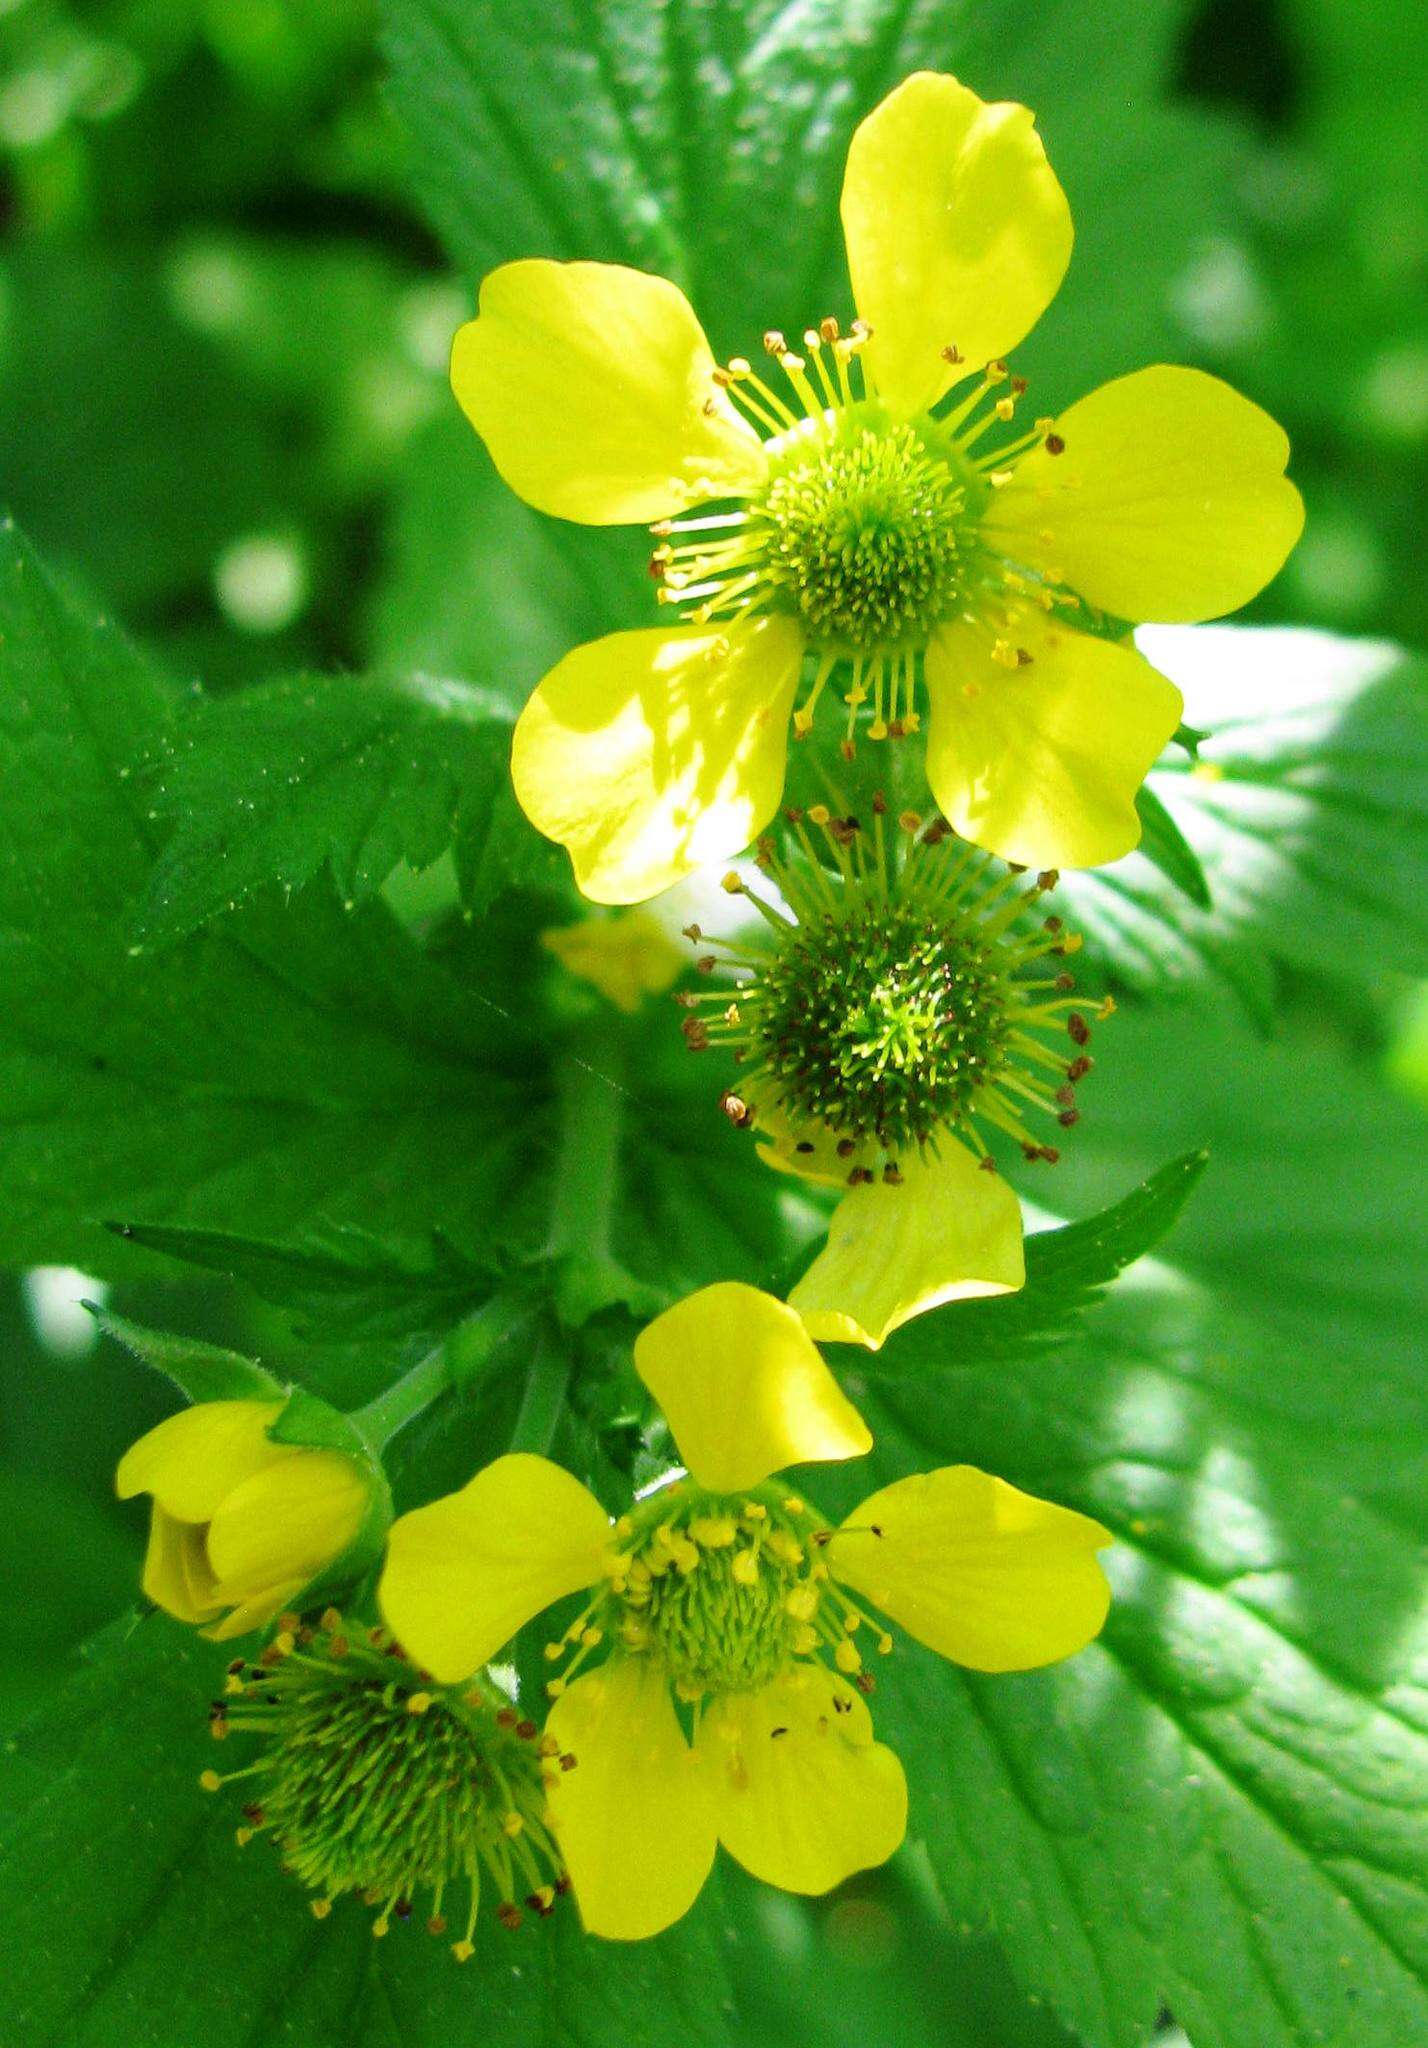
(593, 387)
(286, 1523)
(191, 1460)
(647, 754)
(1042, 763)
(804, 1795)
(982, 1573)
(744, 1389)
(257, 1610)
(464, 1573)
(958, 234)
(635, 1818)
(1168, 500)
(176, 1574)
(951, 1232)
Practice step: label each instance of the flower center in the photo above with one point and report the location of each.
(920, 997)
(860, 534)
(371, 1780)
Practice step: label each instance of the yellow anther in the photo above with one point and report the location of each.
(878, 729)
(548, 1746)
(802, 1603)
(624, 1527)
(554, 1652)
(715, 1532)
(233, 1684)
(591, 1636)
(805, 1641)
(463, 1950)
(513, 1825)
(1004, 408)
(285, 1642)
(847, 1658)
(731, 884)
(745, 1568)
(1004, 654)
(380, 1927)
(802, 723)
(740, 366)
(419, 1703)
(995, 372)
(786, 1547)
(209, 1780)
(818, 814)
(884, 1646)
(554, 1688)
(852, 1623)
(794, 1506)
(242, 1836)
(319, 1908)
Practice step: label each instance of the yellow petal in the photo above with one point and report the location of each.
(804, 1794)
(984, 1574)
(743, 1388)
(951, 1232)
(257, 1610)
(958, 234)
(191, 1460)
(635, 1817)
(286, 1523)
(647, 754)
(1168, 501)
(626, 958)
(463, 1574)
(176, 1574)
(593, 387)
(1041, 764)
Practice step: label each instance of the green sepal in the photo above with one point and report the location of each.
(202, 1372)
(314, 1424)
(1165, 846)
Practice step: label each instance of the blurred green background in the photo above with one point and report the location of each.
(223, 414)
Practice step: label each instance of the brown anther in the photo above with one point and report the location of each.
(1048, 878)
(828, 328)
(1018, 385)
(706, 965)
(1066, 982)
(1078, 1030)
(987, 1163)
(892, 1176)
(657, 565)
(567, 1761)
(805, 1145)
(910, 821)
(506, 1717)
(1080, 1067)
(1066, 1096)
(880, 804)
(661, 527)
(527, 1730)
(995, 371)
(774, 343)
(794, 814)
(1069, 1117)
(846, 1147)
(1049, 1153)
(1023, 657)
(847, 750)
(696, 1034)
(722, 377)
(864, 1681)
(736, 1109)
(509, 1915)
(1054, 444)
(436, 1924)
(896, 729)
(860, 1177)
(1051, 924)
(843, 830)
(952, 354)
(936, 832)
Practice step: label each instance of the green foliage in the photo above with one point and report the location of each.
(281, 1056)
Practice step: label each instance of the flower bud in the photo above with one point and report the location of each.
(241, 1525)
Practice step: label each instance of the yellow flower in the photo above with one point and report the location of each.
(726, 1595)
(627, 958)
(240, 1525)
(886, 519)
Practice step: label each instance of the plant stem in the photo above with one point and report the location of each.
(454, 1362)
(588, 1157)
(544, 1397)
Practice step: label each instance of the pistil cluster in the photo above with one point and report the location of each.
(370, 1779)
(868, 529)
(906, 988)
(725, 1591)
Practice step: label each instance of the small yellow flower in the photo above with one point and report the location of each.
(760, 1638)
(240, 1525)
(627, 958)
(889, 518)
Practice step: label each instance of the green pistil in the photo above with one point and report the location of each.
(372, 1780)
(861, 537)
(883, 1023)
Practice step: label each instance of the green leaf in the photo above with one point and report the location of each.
(1306, 808)
(1219, 1805)
(131, 1919)
(271, 784)
(340, 1284)
(299, 1066)
(1165, 846)
(202, 1372)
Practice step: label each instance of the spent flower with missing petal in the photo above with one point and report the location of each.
(891, 531)
(713, 1687)
(904, 997)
